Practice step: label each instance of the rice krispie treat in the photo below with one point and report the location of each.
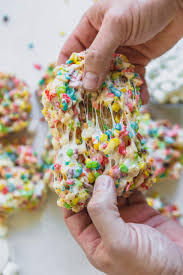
(21, 180)
(166, 209)
(95, 133)
(15, 104)
(46, 78)
(164, 76)
(164, 143)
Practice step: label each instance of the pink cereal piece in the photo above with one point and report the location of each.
(128, 186)
(37, 67)
(130, 106)
(57, 104)
(137, 98)
(16, 81)
(57, 166)
(110, 95)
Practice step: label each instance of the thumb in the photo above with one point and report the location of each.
(103, 210)
(100, 53)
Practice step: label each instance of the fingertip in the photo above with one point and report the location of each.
(90, 81)
(103, 182)
(104, 178)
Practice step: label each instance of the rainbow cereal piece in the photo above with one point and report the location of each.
(165, 145)
(48, 158)
(95, 133)
(166, 209)
(21, 180)
(15, 104)
(46, 78)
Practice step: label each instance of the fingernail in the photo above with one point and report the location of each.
(103, 183)
(90, 81)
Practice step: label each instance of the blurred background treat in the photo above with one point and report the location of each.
(165, 208)
(164, 76)
(164, 143)
(45, 79)
(15, 104)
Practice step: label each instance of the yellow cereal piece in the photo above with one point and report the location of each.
(113, 143)
(75, 201)
(154, 180)
(103, 138)
(124, 58)
(96, 146)
(27, 187)
(78, 141)
(146, 173)
(1, 186)
(116, 107)
(124, 90)
(115, 75)
(117, 118)
(149, 201)
(83, 195)
(25, 93)
(146, 116)
(87, 160)
(142, 165)
(29, 108)
(60, 202)
(21, 125)
(44, 111)
(62, 33)
(91, 178)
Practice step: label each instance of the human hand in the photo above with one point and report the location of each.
(128, 238)
(142, 30)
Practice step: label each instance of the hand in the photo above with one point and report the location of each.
(131, 238)
(140, 29)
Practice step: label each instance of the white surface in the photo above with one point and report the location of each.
(11, 269)
(40, 242)
(4, 254)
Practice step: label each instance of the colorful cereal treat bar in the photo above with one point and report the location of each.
(165, 76)
(46, 78)
(21, 180)
(164, 143)
(166, 209)
(15, 104)
(95, 133)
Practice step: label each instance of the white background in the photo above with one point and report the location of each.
(40, 242)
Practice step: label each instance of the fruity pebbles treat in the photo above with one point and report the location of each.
(95, 133)
(164, 76)
(21, 179)
(164, 142)
(46, 78)
(15, 104)
(166, 209)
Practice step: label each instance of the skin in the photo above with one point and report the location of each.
(142, 30)
(122, 238)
